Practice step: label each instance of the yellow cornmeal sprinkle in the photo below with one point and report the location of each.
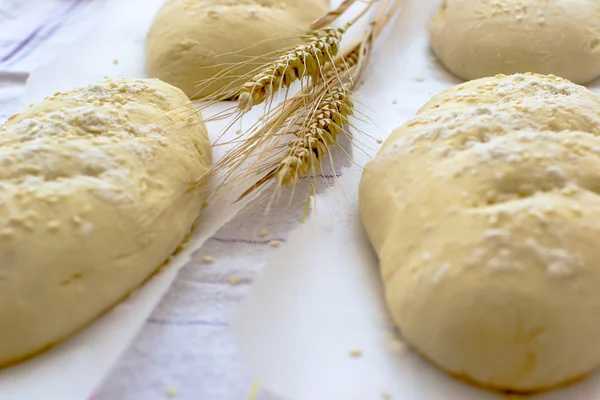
(171, 391)
(355, 353)
(253, 395)
(234, 280)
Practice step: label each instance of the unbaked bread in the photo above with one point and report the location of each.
(93, 199)
(484, 210)
(192, 41)
(476, 39)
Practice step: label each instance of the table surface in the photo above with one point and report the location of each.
(185, 350)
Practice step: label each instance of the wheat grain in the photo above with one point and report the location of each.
(314, 138)
(343, 63)
(306, 60)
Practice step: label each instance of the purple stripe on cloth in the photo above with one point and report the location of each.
(16, 76)
(246, 241)
(23, 44)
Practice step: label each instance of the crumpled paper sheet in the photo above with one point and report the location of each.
(74, 369)
(321, 298)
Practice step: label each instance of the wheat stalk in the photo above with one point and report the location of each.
(315, 127)
(306, 60)
(332, 108)
(272, 122)
(283, 115)
(313, 117)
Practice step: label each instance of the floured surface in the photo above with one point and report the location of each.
(321, 299)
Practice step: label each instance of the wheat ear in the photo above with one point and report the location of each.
(306, 60)
(313, 140)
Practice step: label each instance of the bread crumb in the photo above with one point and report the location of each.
(208, 259)
(274, 243)
(115, 61)
(355, 353)
(190, 120)
(419, 79)
(263, 233)
(238, 132)
(234, 280)
(380, 141)
(386, 395)
(395, 101)
(171, 391)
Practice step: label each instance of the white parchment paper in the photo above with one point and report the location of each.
(321, 298)
(72, 370)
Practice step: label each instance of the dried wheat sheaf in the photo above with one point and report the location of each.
(294, 136)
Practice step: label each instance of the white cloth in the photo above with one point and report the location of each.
(185, 349)
(31, 33)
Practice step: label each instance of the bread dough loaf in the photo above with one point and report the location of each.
(484, 211)
(94, 197)
(476, 39)
(191, 41)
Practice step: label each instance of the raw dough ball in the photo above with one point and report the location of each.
(191, 41)
(476, 38)
(484, 211)
(93, 199)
